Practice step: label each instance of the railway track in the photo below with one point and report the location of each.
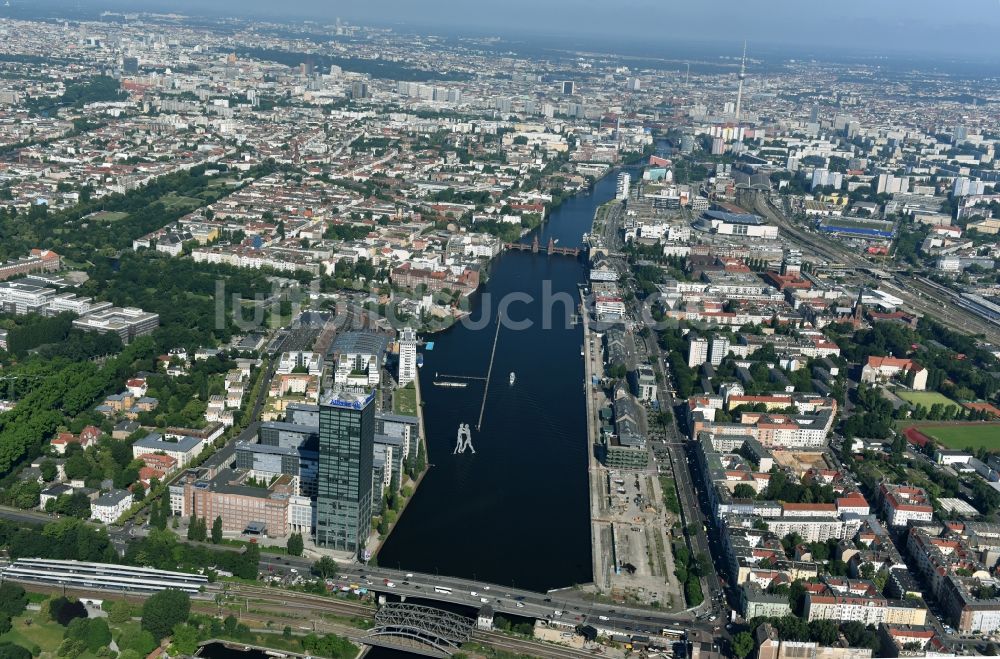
(306, 602)
(528, 647)
(927, 301)
(292, 599)
(293, 602)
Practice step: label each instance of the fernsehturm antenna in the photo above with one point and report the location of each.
(743, 75)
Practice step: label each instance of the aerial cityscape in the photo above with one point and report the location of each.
(334, 331)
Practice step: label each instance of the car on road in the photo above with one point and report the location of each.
(520, 605)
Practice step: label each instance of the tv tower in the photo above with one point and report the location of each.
(743, 76)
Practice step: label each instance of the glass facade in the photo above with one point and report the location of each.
(344, 483)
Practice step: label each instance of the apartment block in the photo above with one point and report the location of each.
(869, 610)
(902, 504)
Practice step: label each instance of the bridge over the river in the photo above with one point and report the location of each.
(418, 629)
(550, 249)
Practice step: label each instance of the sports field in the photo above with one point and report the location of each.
(961, 435)
(926, 398)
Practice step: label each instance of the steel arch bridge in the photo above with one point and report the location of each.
(442, 632)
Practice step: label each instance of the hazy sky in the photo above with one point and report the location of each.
(965, 28)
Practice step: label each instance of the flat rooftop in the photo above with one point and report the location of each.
(736, 218)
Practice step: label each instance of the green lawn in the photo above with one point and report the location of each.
(46, 635)
(404, 401)
(125, 630)
(961, 436)
(110, 216)
(173, 200)
(926, 398)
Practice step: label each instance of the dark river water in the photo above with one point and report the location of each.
(516, 511)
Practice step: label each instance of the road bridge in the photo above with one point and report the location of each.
(578, 606)
(574, 606)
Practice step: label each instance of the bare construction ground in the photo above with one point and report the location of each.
(800, 461)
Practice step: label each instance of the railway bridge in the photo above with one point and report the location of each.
(418, 629)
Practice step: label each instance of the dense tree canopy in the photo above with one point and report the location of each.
(13, 651)
(64, 610)
(162, 611)
(67, 390)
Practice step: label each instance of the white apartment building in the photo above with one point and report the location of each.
(890, 184)
(184, 450)
(984, 619)
(107, 508)
(797, 434)
(812, 529)
(720, 348)
(407, 356)
(902, 504)
(311, 362)
(808, 510)
(964, 186)
(867, 610)
(823, 177)
(697, 353)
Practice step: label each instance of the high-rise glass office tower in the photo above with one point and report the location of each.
(344, 487)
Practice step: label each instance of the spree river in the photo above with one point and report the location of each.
(515, 512)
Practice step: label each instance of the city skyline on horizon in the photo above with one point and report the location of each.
(920, 29)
